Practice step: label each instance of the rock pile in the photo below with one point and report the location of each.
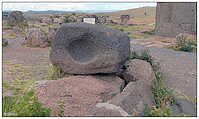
(81, 48)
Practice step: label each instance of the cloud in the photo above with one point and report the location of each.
(73, 6)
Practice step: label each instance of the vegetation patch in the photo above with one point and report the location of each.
(163, 97)
(12, 35)
(23, 105)
(55, 73)
(184, 42)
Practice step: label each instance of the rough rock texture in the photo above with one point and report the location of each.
(108, 110)
(183, 107)
(81, 48)
(130, 102)
(79, 93)
(175, 18)
(138, 70)
(36, 38)
(16, 18)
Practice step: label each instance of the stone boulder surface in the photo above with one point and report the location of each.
(36, 38)
(130, 102)
(79, 93)
(16, 18)
(81, 48)
(138, 70)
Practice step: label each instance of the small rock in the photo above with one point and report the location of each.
(138, 70)
(183, 107)
(4, 42)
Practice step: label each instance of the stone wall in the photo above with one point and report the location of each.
(175, 18)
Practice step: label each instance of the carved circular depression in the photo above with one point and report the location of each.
(82, 50)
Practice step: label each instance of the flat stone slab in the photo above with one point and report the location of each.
(77, 93)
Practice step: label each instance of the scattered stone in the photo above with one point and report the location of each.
(138, 70)
(81, 48)
(36, 38)
(52, 32)
(4, 42)
(16, 18)
(79, 93)
(183, 107)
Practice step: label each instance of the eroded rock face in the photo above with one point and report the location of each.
(175, 18)
(79, 93)
(130, 102)
(36, 38)
(138, 70)
(81, 48)
(16, 18)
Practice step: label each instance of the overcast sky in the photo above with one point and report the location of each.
(73, 6)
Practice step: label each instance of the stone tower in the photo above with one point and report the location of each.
(175, 18)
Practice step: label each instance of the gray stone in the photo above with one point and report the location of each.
(138, 70)
(183, 107)
(175, 18)
(16, 18)
(81, 48)
(4, 42)
(134, 98)
(108, 110)
(36, 38)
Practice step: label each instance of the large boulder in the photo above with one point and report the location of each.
(16, 18)
(138, 70)
(36, 38)
(81, 48)
(78, 93)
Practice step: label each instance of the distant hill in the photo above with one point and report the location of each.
(137, 15)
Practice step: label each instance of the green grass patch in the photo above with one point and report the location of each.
(187, 43)
(162, 96)
(24, 105)
(55, 73)
(12, 35)
(7, 27)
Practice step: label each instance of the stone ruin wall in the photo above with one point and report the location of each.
(175, 18)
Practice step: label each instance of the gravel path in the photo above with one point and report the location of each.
(179, 68)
